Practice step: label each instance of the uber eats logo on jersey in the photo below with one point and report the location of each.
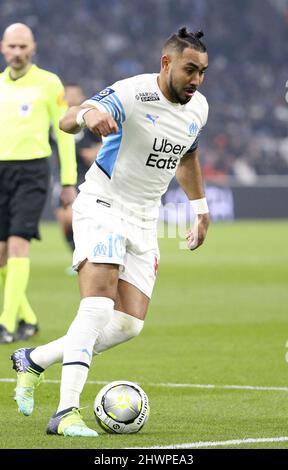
(162, 147)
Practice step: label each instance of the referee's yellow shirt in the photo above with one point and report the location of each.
(28, 106)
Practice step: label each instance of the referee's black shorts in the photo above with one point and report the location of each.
(23, 190)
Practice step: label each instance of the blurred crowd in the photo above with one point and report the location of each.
(96, 43)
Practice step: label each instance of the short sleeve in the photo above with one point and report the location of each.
(118, 100)
(194, 146)
(204, 117)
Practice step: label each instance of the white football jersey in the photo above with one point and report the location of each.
(135, 166)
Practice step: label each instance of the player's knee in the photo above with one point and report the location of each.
(136, 327)
(128, 325)
(121, 328)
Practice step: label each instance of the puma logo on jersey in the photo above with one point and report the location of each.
(152, 118)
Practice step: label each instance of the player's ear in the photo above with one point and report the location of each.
(165, 61)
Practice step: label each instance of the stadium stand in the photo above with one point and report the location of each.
(95, 43)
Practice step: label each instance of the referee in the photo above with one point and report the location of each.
(31, 99)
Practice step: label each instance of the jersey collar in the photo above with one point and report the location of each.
(27, 74)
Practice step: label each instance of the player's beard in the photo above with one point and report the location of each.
(175, 94)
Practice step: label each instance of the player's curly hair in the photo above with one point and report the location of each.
(184, 38)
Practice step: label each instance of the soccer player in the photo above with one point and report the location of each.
(31, 99)
(150, 126)
(87, 146)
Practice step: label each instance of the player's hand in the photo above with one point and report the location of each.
(196, 235)
(68, 195)
(100, 123)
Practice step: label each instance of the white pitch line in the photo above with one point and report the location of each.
(237, 387)
(232, 442)
(57, 381)
(175, 385)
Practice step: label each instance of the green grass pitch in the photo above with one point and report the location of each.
(218, 316)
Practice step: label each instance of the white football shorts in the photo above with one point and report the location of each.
(102, 236)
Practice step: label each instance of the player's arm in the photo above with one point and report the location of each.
(104, 112)
(189, 177)
(96, 121)
(65, 142)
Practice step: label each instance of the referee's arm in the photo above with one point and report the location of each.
(65, 142)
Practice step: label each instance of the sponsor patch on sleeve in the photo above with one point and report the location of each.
(102, 94)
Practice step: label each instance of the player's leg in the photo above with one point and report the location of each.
(24, 330)
(75, 349)
(27, 321)
(91, 285)
(26, 205)
(5, 335)
(30, 370)
(27, 328)
(127, 319)
(100, 243)
(29, 376)
(18, 266)
(7, 184)
(134, 291)
(126, 322)
(3, 271)
(135, 288)
(121, 327)
(33, 194)
(16, 282)
(98, 287)
(3, 262)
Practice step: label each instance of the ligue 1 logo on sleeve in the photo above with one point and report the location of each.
(193, 129)
(102, 94)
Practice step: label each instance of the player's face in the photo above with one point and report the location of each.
(18, 49)
(185, 73)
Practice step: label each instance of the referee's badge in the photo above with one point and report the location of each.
(25, 109)
(61, 101)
